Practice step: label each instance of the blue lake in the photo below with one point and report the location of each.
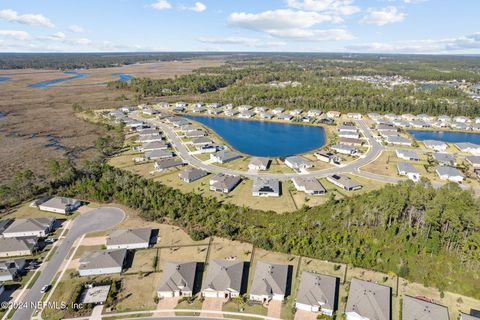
(123, 76)
(265, 139)
(45, 84)
(4, 79)
(446, 136)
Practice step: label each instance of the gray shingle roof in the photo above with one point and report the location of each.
(17, 244)
(223, 275)
(129, 236)
(407, 168)
(269, 279)
(266, 185)
(178, 275)
(102, 259)
(412, 154)
(28, 225)
(61, 203)
(416, 309)
(369, 300)
(317, 290)
(448, 171)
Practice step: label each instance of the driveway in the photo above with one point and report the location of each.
(212, 304)
(94, 220)
(305, 315)
(274, 309)
(168, 304)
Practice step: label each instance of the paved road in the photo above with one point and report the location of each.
(95, 220)
(373, 152)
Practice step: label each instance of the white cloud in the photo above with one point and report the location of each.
(198, 7)
(58, 36)
(30, 19)
(243, 41)
(383, 16)
(460, 44)
(341, 7)
(161, 5)
(14, 34)
(286, 23)
(76, 29)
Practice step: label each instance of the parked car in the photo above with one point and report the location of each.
(45, 288)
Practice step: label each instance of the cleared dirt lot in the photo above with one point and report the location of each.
(35, 115)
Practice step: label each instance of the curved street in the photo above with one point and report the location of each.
(94, 220)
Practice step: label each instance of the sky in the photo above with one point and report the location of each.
(376, 26)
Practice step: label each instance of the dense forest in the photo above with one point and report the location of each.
(426, 235)
(247, 81)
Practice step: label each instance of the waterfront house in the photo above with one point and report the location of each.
(333, 114)
(461, 119)
(198, 109)
(224, 183)
(474, 161)
(284, 117)
(444, 118)
(408, 170)
(449, 173)
(419, 124)
(415, 309)
(168, 163)
(195, 134)
(246, 114)
(408, 117)
(347, 134)
(178, 280)
(344, 182)
(32, 227)
(317, 293)
(10, 269)
(468, 147)
(265, 115)
(298, 163)
(460, 126)
(191, 175)
(310, 186)
(201, 141)
(259, 163)
(224, 156)
(435, 145)
(344, 149)
(406, 154)
(224, 279)
(188, 128)
(350, 141)
(129, 239)
(269, 282)
(13, 247)
(156, 145)
(368, 301)
(231, 113)
(100, 262)
(277, 110)
(60, 205)
(398, 140)
(314, 113)
(328, 157)
(260, 109)
(244, 107)
(444, 159)
(265, 187)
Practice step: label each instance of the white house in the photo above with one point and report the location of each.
(438, 146)
(224, 279)
(102, 262)
(33, 227)
(408, 170)
(178, 280)
(449, 173)
(269, 282)
(60, 205)
(317, 293)
(129, 239)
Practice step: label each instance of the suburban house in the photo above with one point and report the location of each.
(167, 164)
(260, 109)
(310, 186)
(419, 124)
(284, 117)
(246, 114)
(269, 282)
(178, 280)
(198, 109)
(405, 154)
(344, 149)
(398, 140)
(474, 161)
(461, 119)
(444, 159)
(296, 112)
(298, 163)
(444, 118)
(224, 156)
(224, 279)
(350, 141)
(191, 175)
(449, 173)
(158, 154)
(354, 115)
(314, 113)
(328, 157)
(408, 170)
(245, 107)
(33, 227)
(188, 128)
(435, 145)
(156, 145)
(148, 132)
(214, 111)
(259, 163)
(224, 183)
(149, 138)
(195, 134)
(208, 148)
(99, 262)
(333, 114)
(12, 247)
(277, 110)
(468, 147)
(414, 309)
(265, 115)
(201, 141)
(464, 316)
(347, 128)
(368, 301)
(317, 293)
(264, 187)
(231, 113)
(10, 269)
(344, 182)
(4, 224)
(60, 205)
(129, 239)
